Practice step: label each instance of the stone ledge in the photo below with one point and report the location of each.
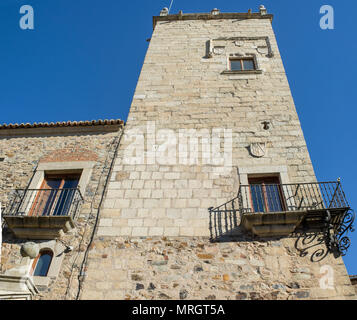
(25, 227)
(17, 287)
(209, 16)
(272, 224)
(242, 72)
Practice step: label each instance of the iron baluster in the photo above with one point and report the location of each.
(324, 209)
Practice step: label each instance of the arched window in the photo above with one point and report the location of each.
(42, 263)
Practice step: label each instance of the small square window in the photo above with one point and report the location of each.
(2, 159)
(242, 64)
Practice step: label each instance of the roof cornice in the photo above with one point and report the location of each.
(210, 16)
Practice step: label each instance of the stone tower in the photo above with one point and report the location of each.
(212, 191)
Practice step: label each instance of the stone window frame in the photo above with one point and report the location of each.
(241, 59)
(263, 171)
(257, 171)
(233, 56)
(58, 250)
(84, 167)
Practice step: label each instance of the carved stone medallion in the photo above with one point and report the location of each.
(258, 149)
(218, 50)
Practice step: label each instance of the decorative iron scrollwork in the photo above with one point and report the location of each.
(314, 241)
(333, 239)
(345, 226)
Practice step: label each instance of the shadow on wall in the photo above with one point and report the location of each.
(225, 226)
(225, 221)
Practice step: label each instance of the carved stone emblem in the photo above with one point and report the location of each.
(258, 149)
(263, 50)
(218, 50)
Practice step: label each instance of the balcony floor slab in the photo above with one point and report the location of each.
(41, 227)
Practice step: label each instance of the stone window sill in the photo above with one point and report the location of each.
(230, 72)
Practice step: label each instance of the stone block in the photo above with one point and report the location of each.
(139, 232)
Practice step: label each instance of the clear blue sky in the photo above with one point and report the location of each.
(83, 59)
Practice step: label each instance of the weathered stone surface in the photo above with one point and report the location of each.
(152, 240)
(185, 272)
(183, 294)
(28, 149)
(139, 286)
(182, 90)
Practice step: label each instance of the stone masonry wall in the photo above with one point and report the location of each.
(180, 88)
(152, 240)
(22, 154)
(153, 236)
(194, 268)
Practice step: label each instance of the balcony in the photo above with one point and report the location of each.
(279, 210)
(42, 213)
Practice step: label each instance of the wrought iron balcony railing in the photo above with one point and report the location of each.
(317, 207)
(44, 202)
(291, 197)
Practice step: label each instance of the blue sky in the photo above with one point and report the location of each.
(83, 59)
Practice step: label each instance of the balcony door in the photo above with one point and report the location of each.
(55, 196)
(266, 194)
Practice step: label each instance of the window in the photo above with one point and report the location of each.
(42, 263)
(242, 64)
(266, 195)
(55, 196)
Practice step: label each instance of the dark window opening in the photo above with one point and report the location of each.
(266, 194)
(55, 196)
(42, 263)
(243, 64)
